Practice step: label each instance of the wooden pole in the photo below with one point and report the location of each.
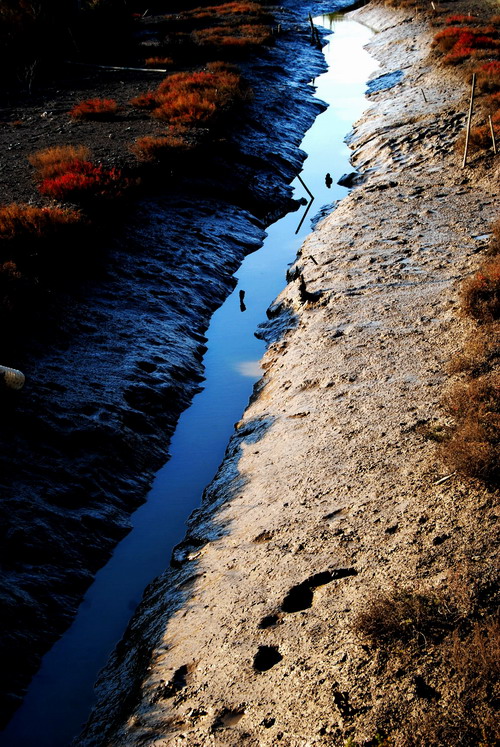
(492, 134)
(469, 119)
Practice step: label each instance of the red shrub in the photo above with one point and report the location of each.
(459, 18)
(488, 77)
(158, 61)
(100, 109)
(57, 160)
(160, 148)
(86, 181)
(198, 97)
(148, 100)
(458, 54)
(186, 108)
(239, 37)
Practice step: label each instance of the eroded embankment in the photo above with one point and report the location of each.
(329, 492)
(118, 356)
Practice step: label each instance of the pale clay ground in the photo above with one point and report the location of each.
(327, 470)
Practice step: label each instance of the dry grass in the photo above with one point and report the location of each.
(469, 714)
(474, 447)
(495, 240)
(481, 293)
(95, 109)
(160, 149)
(52, 162)
(21, 223)
(403, 615)
(447, 645)
(481, 352)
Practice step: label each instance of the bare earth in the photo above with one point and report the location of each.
(329, 471)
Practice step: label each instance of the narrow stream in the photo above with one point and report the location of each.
(60, 695)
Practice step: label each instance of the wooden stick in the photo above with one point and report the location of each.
(305, 214)
(115, 67)
(312, 26)
(492, 134)
(444, 479)
(307, 190)
(469, 119)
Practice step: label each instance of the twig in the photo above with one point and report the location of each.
(423, 94)
(444, 479)
(469, 119)
(492, 134)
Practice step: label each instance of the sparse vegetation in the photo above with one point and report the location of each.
(473, 446)
(447, 643)
(99, 109)
(404, 615)
(166, 148)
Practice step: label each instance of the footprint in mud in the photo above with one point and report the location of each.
(227, 717)
(173, 686)
(300, 597)
(266, 658)
(264, 536)
(269, 621)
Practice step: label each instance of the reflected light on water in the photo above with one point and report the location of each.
(249, 368)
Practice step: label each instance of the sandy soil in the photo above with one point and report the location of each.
(330, 490)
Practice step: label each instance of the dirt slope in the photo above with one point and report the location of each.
(330, 491)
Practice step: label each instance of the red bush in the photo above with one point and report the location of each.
(158, 61)
(147, 100)
(197, 98)
(100, 109)
(488, 77)
(236, 37)
(160, 148)
(57, 160)
(459, 18)
(86, 181)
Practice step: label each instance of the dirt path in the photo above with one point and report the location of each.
(329, 490)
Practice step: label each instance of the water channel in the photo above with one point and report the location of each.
(60, 696)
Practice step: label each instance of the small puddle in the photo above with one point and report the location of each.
(61, 694)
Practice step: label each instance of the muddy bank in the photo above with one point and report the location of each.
(119, 355)
(330, 492)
